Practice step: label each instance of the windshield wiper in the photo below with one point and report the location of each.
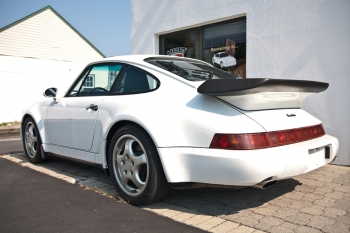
(201, 72)
(172, 67)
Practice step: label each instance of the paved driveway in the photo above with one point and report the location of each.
(33, 202)
(315, 202)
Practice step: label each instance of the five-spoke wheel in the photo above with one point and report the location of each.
(32, 141)
(135, 167)
(130, 164)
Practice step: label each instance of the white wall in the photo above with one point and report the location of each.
(286, 39)
(23, 81)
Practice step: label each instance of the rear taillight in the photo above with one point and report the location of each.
(265, 140)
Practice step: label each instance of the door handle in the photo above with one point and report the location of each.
(92, 107)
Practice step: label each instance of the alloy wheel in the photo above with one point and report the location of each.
(31, 139)
(130, 165)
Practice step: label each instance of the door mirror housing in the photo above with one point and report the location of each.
(50, 92)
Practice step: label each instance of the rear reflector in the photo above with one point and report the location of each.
(266, 140)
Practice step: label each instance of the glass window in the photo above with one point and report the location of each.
(221, 44)
(224, 45)
(135, 81)
(98, 81)
(193, 71)
(181, 44)
(89, 82)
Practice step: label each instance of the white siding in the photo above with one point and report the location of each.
(46, 36)
(307, 40)
(23, 81)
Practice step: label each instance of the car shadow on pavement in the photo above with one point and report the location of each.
(219, 202)
(214, 202)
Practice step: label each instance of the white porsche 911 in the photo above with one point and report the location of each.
(224, 60)
(155, 122)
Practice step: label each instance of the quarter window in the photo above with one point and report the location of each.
(135, 81)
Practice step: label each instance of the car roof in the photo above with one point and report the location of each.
(140, 58)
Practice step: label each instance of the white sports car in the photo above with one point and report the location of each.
(155, 122)
(224, 60)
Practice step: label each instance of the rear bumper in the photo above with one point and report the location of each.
(245, 167)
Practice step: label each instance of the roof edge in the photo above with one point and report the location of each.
(59, 16)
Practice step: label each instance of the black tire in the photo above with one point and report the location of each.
(31, 141)
(135, 169)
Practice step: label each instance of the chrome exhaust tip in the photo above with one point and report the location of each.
(267, 183)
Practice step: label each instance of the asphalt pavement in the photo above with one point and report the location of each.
(10, 145)
(33, 202)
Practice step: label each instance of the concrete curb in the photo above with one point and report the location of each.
(9, 131)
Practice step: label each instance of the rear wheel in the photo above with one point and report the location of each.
(135, 167)
(32, 141)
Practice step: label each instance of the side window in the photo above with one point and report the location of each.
(135, 81)
(98, 81)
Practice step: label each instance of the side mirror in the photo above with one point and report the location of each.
(50, 92)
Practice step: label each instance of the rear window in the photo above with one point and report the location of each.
(193, 71)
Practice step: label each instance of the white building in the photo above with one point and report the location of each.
(307, 40)
(39, 51)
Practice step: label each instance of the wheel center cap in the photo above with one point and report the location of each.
(128, 165)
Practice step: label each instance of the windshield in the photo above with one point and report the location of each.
(189, 70)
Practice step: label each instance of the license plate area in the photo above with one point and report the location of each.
(318, 157)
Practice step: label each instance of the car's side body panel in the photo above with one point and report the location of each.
(70, 124)
(38, 112)
(79, 155)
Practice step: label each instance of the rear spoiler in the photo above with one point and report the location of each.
(260, 93)
(229, 87)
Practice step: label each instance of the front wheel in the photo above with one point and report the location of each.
(135, 167)
(32, 141)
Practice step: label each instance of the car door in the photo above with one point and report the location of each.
(70, 123)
